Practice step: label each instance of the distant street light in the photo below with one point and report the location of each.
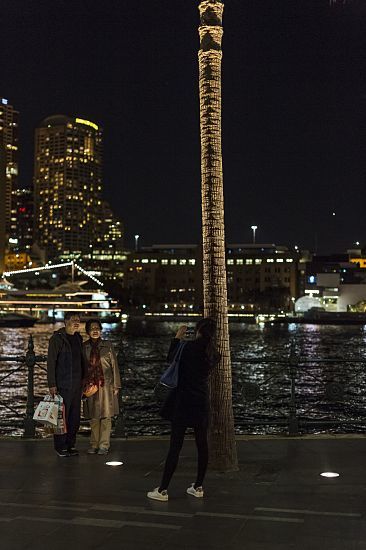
(254, 228)
(137, 242)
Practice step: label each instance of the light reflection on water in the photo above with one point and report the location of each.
(145, 345)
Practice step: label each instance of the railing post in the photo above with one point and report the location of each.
(293, 423)
(119, 426)
(30, 361)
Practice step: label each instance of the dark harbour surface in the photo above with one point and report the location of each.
(328, 376)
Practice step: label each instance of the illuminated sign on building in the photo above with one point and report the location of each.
(87, 123)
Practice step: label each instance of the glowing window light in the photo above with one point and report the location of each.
(87, 123)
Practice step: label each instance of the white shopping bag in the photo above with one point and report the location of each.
(47, 411)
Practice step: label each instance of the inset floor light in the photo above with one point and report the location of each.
(329, 474)
(114, 463)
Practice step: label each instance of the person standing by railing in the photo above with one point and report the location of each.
(103, 373)
(66, 370)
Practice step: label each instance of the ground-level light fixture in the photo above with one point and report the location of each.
(114, 463)
(329, 474)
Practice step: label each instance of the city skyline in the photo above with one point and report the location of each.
(293, 118)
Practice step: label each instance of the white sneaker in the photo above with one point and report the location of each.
(156, 495)
(198, 492)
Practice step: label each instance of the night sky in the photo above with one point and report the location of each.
(294, 110)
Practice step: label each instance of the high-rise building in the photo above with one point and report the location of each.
(21, 223)
(9, 137)
(67, 184)
(109, 231)
(2, 207)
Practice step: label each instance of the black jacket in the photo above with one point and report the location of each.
(59, 360)
(188, 404)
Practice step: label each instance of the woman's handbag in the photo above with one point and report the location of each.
(90, 390)
(169, 379)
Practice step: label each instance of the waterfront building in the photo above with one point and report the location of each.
(17, 260)
(9, 138)
(334, 283)
(261, 277)
(169, 277)
(67, 185)
(165, 277)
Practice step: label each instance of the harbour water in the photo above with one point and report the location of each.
(329, 395)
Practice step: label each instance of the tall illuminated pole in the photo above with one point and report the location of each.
(137, 242)
(222, 436)
(254, 228)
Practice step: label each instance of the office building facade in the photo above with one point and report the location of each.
(67, 185)
(9, 120)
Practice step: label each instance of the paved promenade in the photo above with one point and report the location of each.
(277, 501)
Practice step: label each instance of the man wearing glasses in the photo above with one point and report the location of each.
(65, 372)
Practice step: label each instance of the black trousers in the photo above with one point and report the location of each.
(176, 444)
(72, 402)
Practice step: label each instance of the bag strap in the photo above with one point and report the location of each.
(178, 355)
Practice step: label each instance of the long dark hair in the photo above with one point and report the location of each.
(206, 328)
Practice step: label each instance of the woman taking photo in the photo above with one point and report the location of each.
(188, 405)
(103, 373)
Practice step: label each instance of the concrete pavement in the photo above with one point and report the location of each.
(276, 501)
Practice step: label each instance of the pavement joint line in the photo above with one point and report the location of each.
(155, 469)
(93, 522)
(132, 509)
(120, 508)
(154, 525)
(248, 516)
(307, 512)
(42, 506)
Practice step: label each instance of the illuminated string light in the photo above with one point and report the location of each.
(213, 228)
(54, 266)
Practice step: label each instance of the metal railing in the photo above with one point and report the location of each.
(302, 394)
(295, 394)
(30, 361)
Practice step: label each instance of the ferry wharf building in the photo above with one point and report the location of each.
(163, 278)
